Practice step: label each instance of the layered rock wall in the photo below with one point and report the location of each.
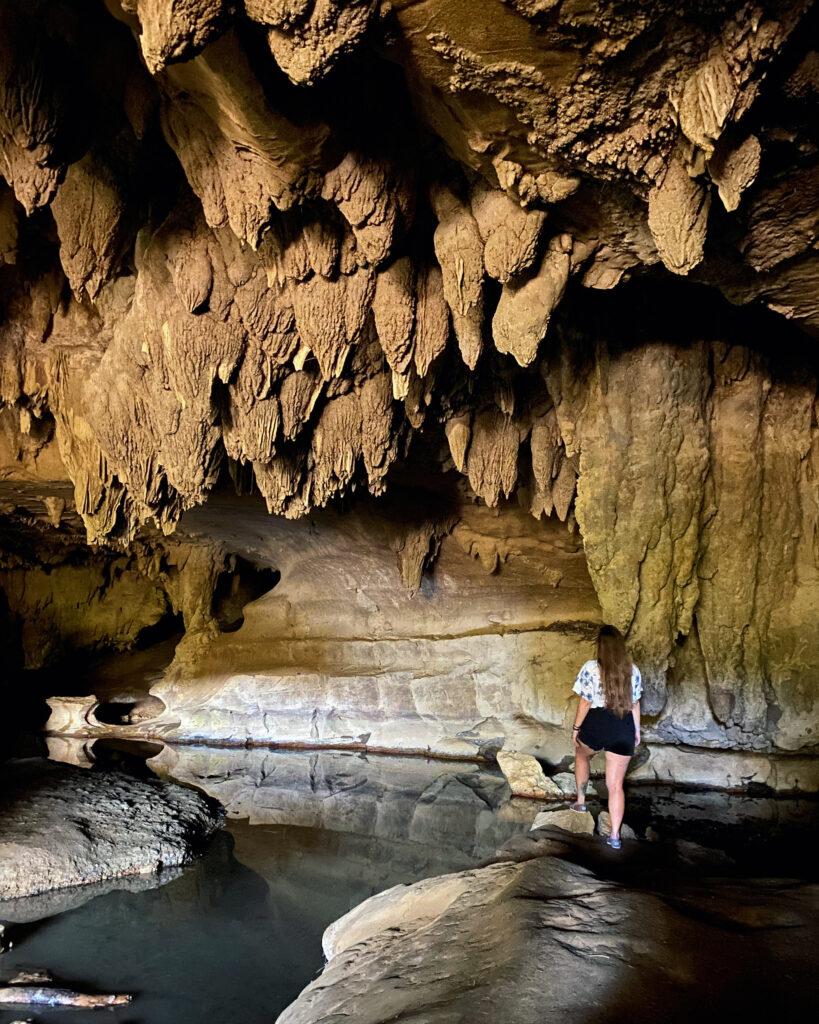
(291, 247)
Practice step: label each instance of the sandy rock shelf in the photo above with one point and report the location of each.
(62, 826)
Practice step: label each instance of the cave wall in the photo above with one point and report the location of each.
(476, 654)
(291, 245)
(365, 642)
(61, 601)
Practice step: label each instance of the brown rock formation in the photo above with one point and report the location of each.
(297, 243)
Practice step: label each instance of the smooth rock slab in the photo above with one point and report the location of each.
(526, 777)
(62, 826)
(569, 821)
(547, 940)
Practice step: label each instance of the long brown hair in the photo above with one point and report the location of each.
(615, 670)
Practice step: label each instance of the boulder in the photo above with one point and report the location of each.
(604, 827)
(526, 777)
(570, 821)
(64, 826)
(567, 784)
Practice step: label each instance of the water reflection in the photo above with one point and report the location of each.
(238, 935)
(213, 944)
(455, 813)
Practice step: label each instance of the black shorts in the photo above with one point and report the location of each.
(604, 730)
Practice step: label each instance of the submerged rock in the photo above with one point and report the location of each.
(63, 826)
(526, 777)
(548, 940)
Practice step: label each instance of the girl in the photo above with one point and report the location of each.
(608, 718)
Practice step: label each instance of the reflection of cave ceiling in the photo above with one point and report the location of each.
(288, 236)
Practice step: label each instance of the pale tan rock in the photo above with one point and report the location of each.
(525, 776)
(213, 113)
(458, 432)
(678, 218)
(431, 320)
(604, 827)
(492, 459)
(706, 102)
(502, 940)
(307, 39)
(734, 169)
(567, 783)
(54, 506)
(459, 250)
(175, 31)
(510, 233)
(570, 821)
(523, 313)
(370, 196)
(394, 313)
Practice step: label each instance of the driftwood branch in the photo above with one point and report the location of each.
(33, 988)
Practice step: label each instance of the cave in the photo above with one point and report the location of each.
(361, 360)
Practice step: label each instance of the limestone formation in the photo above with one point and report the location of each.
(525, 776)
(479, 656)
(62, 826)
(496, 252)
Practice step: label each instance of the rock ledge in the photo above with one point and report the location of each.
(62, 826)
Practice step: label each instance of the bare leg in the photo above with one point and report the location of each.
(616, 765)
(582, 753)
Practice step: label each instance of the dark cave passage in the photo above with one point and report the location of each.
(235, 588)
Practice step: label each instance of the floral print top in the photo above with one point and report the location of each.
(589, 685)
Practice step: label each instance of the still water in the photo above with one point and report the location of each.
(236, 937)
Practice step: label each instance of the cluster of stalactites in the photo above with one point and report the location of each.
(304, 309)
(312, 356)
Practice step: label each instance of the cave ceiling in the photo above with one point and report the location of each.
(568, 249)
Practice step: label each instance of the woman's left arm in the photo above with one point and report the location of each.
(635, 710)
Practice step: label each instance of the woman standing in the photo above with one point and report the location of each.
(608, 718)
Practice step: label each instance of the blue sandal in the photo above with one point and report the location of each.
(614, 842)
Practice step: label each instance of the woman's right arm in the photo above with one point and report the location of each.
(582, 710)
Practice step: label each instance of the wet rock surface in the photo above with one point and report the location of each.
(62, 826)
(312, 834)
